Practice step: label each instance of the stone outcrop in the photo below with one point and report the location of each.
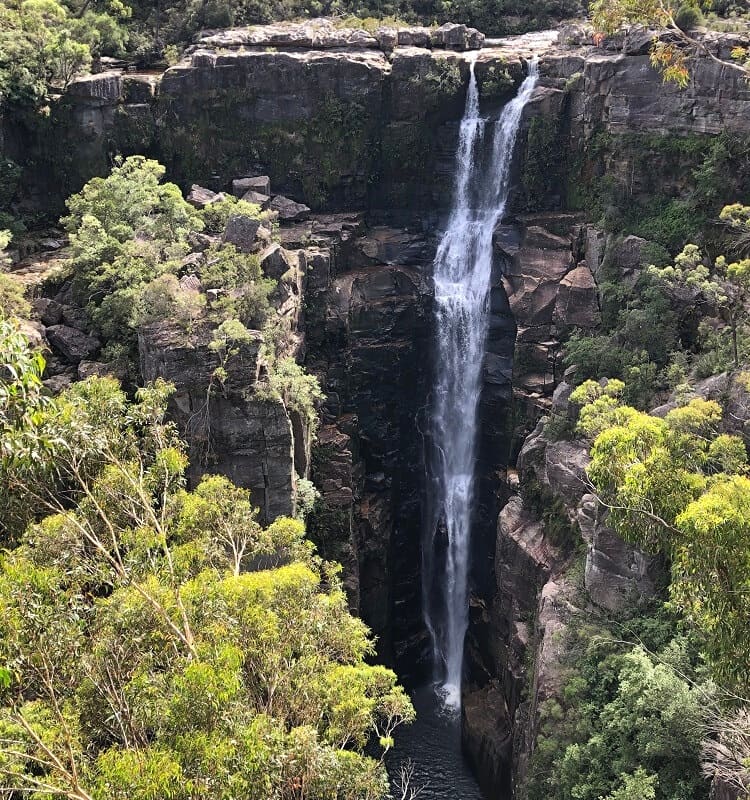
(230, 430)
(550, 290)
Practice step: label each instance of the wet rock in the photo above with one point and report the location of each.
(72, 344)
(486, 735)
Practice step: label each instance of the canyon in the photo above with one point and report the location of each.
(360, 130)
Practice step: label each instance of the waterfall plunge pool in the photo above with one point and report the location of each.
(432, 746)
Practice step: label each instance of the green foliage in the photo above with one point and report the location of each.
(13, 302)
(216, 215)
(495, 84)
(726, 288)
(627, 724)
(187, 652)
(46, 43)
(682, 183)
(440, 84)
(677, 485)
(558, 527)
(125, 231)
(688, 16)
(543, 164)
(49, 444)
(298, 390)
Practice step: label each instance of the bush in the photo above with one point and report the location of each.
(216, 215)
(688, 17)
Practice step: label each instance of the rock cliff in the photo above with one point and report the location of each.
(361, 128)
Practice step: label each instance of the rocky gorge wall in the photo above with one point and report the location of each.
(362, 128)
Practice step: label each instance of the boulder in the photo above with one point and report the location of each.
(258, 183)
(103, 89)
(190, 283)
(275, 261)
(242, 231)
(414, 37)
(76, 317)
(49, 311)
(452, 36)
(74, 345)
(58, 383)
(99, 369)
(288, 210)
(262, 200)
(577, 302)
(200, 197)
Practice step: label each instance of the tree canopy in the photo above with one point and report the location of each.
(158, 642)
(676, 484)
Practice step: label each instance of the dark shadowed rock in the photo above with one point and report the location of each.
(58, 383)
(49, 311)
(230, 428)
(275, 261)
(487, 735)
(288, 210)
(99, 369)
(72, 344)
(76, 317)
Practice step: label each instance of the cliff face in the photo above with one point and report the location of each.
(362, 127)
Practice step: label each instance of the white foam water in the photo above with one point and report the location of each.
(462, 270)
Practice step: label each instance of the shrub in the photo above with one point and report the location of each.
(688, 17)
(216, 215)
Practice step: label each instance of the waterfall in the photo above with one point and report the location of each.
(462, 281)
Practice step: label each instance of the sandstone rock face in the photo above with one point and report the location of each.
(367, 326)
(550, 290)
(487, 736)
(615, 572)
(229, 429)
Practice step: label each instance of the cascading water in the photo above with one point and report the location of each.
(462, 270)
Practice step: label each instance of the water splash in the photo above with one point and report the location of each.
(462, 270)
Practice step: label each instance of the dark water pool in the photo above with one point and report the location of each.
(432, 745)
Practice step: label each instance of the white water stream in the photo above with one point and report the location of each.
(462, 270)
